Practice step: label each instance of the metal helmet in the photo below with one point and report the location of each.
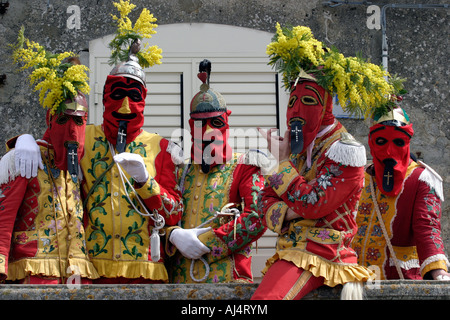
(207, 102)
(131, 68)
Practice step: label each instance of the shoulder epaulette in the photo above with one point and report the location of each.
(432, 179)
(254, 157)
(8, 170)
(347, 151)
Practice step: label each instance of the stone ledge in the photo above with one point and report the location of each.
(383, 290)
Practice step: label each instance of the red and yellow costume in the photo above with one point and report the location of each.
(412, 222)
(216, 178)
(325, 196)
(311, 198)
(125, 207)
(42, 239)
(41, 225)
(230, 240)
(120, 216)
(118, 237)
(399, 233)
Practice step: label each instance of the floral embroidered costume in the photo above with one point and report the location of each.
(129, 191)
(42, 238)
(210, 183)
(310, 199)
(130, 188)
(118, 237)
(399, 234)
(325, 196)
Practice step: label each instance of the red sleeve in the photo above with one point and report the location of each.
(11, 143)
(333, 185)
(162, 192)
(236, 235)
(11, 197)
(247, 182)
(427, 224)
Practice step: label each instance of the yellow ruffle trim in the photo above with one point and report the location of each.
(333, 273)
(132, 269)
(51, 267)
(441, 264)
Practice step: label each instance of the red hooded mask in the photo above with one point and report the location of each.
(66, 132)
(210, 140)
(209, 124)
(123, 117)
(309, 108)
(390, 149)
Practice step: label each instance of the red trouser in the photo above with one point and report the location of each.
(285, 281)
(31, 279)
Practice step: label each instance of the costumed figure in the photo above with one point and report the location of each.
(42, 238)
(399, 229)
(219, 188)
(310, 199)
(130, 190)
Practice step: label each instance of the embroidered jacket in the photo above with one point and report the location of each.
(326, 197)
(41, 222)
(118, 237)
(230, 239)
(412, 222)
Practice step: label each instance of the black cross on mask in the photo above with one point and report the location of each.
(121, 136)
(72, 160)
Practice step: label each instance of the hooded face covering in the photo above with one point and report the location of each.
(124, 101)
(309, 107)
(66, 132)
(389, 146)
(210, 140)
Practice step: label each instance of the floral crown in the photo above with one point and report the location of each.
(360, 86)
(385, 112)
(127, 34)
(54, 75)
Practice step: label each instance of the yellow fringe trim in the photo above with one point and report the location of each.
(333, 273)
(51, 267)
(132, 269)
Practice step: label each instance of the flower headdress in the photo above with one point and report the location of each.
(359, 85)
(127, 34)
(386, 111)
(57, 79)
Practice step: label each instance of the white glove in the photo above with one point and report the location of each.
(187, 242)
(28, 156)
(134, 165)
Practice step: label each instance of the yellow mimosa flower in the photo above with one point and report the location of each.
(50, 73)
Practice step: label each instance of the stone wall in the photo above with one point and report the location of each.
(378, 290)
(417, 40)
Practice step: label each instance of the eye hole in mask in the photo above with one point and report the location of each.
(399, 142)
(62, 119)
(119, 94)
(217, 123)
(292, 101)
(79, 121)
(381, 141)
(309, 101)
